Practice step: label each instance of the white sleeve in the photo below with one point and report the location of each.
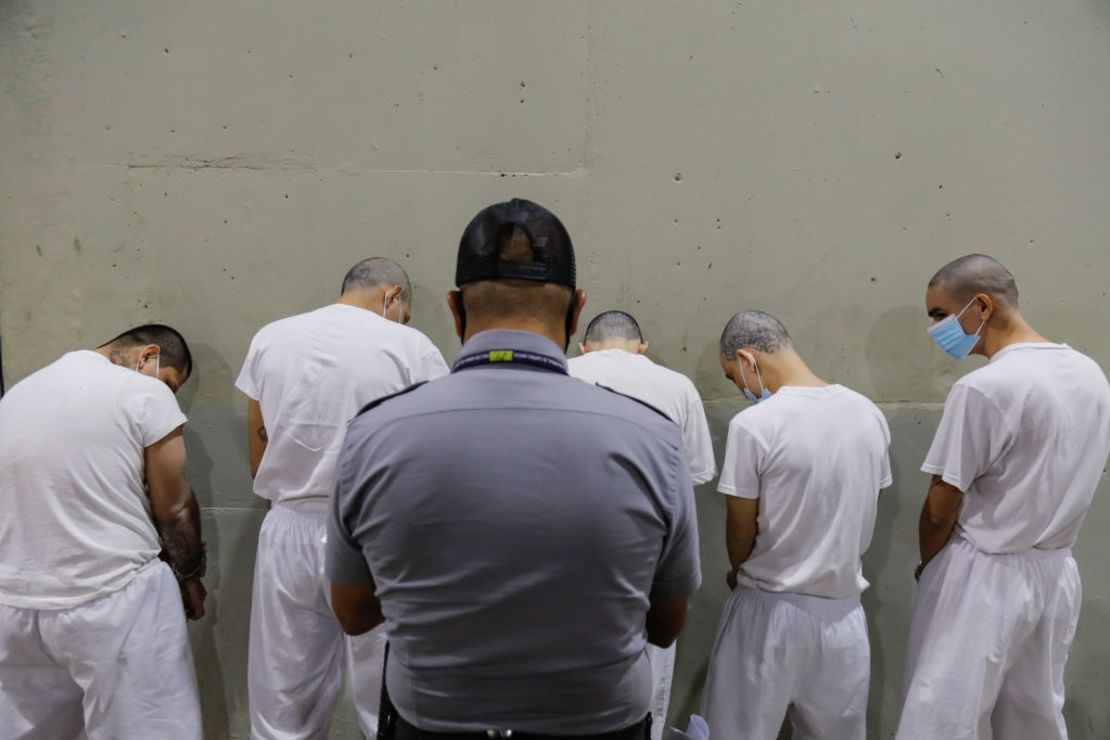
(429, 364)
(699, 445)
(886, 478)
(247, 381)
(972, 435)
(744, 456)
(155, 409)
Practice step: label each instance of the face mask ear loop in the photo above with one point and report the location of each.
(157, 365)
(759, 377)
(744, 377)
(981, 323)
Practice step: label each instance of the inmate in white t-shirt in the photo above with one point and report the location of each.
(75, 521)
(311, 374)
(1026, 438)
(670, 392)
(816, 459)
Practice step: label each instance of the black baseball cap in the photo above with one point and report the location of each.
(479, 248)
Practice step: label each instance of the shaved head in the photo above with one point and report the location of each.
(173, 350)
(968, 276)
(374, 273)
(754, 329)
(613, 325)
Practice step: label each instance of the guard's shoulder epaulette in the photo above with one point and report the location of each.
(637, 400)
(379, 401)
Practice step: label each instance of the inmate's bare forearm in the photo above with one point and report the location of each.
(174, 507)
(938, 518)
(181, 539)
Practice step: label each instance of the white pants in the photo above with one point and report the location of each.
(117, 668)
(788, 655)
(988, 643)
(298, 652)
(662, 672)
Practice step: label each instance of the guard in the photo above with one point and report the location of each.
(523, 535)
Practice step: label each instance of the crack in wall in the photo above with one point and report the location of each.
(266, 164)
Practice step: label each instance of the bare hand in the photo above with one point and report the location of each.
(193, 595)
(730, 579)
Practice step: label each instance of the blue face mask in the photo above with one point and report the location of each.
(764, 394)
(952, 338)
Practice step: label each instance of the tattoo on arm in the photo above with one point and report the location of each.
(181, 540)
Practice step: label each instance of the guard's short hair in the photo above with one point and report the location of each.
(754, 329)
(375, 272)
(613, 325)
(966, 277)
(174, 351)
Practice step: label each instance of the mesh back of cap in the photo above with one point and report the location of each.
(479, 249)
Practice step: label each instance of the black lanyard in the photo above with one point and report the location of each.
(510, 357)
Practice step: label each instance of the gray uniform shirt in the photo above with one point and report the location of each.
(514, 521)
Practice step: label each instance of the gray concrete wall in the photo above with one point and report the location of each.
(217, 165)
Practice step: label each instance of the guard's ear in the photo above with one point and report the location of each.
(579, 304)
(575, 311)
(454, 302)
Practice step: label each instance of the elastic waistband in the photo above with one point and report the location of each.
(816, 605)
(290, 517)
(1033, 553)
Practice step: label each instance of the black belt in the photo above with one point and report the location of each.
(392, 726)
(405, 731)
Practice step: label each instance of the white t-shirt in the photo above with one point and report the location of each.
(816, 459)
(1026, 438)
(76, 520)
(670, 392)
(311, 374)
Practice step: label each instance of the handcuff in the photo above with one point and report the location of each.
(197, 572)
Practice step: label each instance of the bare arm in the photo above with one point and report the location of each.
(357, 607)
(741, 529)
(938, 519)
(665, 619)
(256, 435)
(177, 517)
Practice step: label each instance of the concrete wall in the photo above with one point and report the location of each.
(218, 165)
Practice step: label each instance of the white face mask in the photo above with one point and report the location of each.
(157, 365)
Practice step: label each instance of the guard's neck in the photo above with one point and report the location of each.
(529, 324)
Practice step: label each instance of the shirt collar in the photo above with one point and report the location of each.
(1026, 345)
(620, 354)
(495, 339)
